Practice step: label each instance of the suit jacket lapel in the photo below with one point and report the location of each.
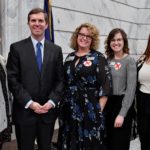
(32, 56)
(46, 56)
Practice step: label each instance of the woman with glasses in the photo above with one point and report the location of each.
(119, 108)
(87, 86)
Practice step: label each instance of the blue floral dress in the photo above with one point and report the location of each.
(87, 78)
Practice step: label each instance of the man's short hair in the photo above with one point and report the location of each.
(36, 11)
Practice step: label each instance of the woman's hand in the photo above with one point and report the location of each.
(102, 102)
(119, 121)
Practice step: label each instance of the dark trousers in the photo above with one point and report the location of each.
(143, 119)
(117, 138)
(26, 135)
(1, 146)
(144, 131)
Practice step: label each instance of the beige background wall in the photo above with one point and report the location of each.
(131, 15)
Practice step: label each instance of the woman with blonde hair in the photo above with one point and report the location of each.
(87, 85)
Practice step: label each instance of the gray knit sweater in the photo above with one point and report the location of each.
(124, 80)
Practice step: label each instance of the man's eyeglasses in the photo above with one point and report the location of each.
(82, 35)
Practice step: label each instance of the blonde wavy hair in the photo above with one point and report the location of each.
(94, 35)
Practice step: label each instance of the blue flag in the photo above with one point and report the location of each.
(49, 32)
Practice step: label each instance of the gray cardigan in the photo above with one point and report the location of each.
(124, 75)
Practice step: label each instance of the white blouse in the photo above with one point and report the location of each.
(144, 78)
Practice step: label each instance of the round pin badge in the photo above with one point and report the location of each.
(87, 63)
(117, 66)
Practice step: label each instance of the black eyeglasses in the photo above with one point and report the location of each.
(82, 35)
(117, 40)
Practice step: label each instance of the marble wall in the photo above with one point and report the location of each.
(0, 32)
(14, 21)
(132, 16)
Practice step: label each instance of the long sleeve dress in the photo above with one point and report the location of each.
(87, 78)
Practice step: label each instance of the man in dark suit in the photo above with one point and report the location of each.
(35, 77)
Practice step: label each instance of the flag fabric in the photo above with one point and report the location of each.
(49, 32)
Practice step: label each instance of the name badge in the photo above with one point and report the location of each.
(90, 58)
(70, 58)
(112, 63)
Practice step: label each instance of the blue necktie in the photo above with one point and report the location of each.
(39, 55)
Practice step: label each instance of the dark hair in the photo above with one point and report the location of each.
(94, 34)
(36, 11)
(147, 51)
(108, 51)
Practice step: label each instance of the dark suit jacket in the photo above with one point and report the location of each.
(27, 83)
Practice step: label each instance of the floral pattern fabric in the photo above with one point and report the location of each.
(5, 135)
(87, 78)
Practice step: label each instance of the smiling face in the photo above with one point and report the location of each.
(117, 43)
(84, 39)
(37, 25)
